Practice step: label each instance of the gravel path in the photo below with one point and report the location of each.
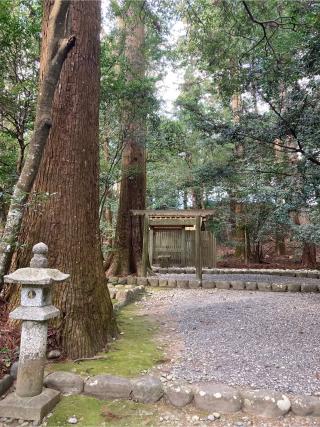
(264, 340)
(245, 277)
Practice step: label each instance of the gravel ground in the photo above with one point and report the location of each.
(264, 340)
(245, 277)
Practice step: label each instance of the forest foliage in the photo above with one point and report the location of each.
(244, 134)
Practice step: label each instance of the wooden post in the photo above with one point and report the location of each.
(198, 249)
(183, 248)
(214, 247)
(145, 247)
(151, 246)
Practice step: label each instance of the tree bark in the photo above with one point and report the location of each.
(108, 192)
(280, 245)
(58, 47)
(237, 209)
(127, 254)
(309, 249)
(2, 211)
(309, 255)
(68, 221)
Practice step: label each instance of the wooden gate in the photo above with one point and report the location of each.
(178, 246)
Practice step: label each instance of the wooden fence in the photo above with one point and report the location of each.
(178, 248)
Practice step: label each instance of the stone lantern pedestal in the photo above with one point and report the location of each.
(31, 401)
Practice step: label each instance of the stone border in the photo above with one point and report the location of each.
(5, 383)
(210, 397)
(124, 294)
(313, 274)
(162, 282)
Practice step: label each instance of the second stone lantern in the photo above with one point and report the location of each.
(30, 401)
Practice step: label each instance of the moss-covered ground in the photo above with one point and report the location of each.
(93, 412)
(132, 353)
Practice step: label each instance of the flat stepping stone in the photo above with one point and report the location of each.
(265, 403)
(217, 398)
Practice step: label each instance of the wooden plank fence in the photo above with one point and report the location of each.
(176, 248)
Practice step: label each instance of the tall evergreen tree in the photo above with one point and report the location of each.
(67, 219)
(126, 257)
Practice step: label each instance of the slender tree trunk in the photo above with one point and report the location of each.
(185, 199)
(196, 198)
(2, 211)
(127, 255)
(68, 221)
(257, 253)
(280, 245)
(236, 207)
(108, 216)
(58, 47)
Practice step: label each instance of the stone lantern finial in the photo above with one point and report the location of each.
(39, 259)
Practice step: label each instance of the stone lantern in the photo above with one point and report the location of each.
(30, 400)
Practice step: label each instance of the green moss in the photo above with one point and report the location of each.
(134, 351)
(92, 412)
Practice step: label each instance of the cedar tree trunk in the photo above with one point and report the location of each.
(127, 254)
(67, 220)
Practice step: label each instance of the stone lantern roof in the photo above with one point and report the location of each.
(36, 276)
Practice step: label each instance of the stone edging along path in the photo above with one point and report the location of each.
(116, 284)
(313, 274)
(210, 397)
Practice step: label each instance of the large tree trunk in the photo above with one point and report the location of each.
(127, 254)
(68, 221)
